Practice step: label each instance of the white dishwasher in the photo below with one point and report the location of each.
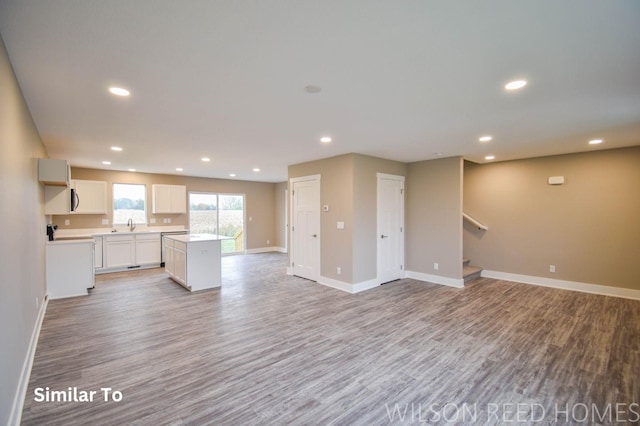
(70, 267)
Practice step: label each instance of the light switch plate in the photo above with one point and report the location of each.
(67, 222)
(152, 220)
(340, 225)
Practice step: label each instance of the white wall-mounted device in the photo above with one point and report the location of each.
(556, 180)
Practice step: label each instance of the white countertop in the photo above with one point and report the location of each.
(71, 241)
(66, 234)
(190, 238)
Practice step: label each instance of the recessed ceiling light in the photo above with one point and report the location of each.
(595, 141)
(106, 163)
(256, 169)
(490, 157)
(178, 169)
(312, 89)
(515, 85)
(485, 138)
(119, 91)
(132, 170)
(325, 139)
(116, 148)
(206, 159)
(232, 174)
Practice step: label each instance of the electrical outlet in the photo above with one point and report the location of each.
(37, 303)
(152, 220)
(268, 242)
(339, 270)
(552, 268)
(67, 222)
(105, 221)
(168, 220)
(436, 266)
(250, 218)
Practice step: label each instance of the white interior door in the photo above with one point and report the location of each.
(305, 227)
(390, 213)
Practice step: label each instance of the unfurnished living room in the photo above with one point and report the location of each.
(346, 213)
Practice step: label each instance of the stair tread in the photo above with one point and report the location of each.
(469, 270)
(465, 261)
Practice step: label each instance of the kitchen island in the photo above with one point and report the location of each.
(193, 260)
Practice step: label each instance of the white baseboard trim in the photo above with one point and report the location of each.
(451, 282)
(604, 290)
(21, 392)
(289, 270)
(262, 250)
(281, 249)
(365, 285)
(349, 288)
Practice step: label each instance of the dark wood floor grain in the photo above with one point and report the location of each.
(268, 348)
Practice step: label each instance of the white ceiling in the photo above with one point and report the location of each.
(400, 79)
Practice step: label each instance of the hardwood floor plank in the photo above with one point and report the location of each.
(268, 348)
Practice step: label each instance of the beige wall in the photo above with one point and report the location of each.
(589, 228)
(281, 214)
(434, 217)
(23, 233)
(365, 184)
(336, 191)
(348, 187)
(260, 201)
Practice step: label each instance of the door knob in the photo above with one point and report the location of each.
(314, 235)
(384, 236)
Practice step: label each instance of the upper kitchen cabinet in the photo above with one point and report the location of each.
(54, 172)
(169, 199)
(92, 196)
(83, 197)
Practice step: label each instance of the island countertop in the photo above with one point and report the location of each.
(190, 238)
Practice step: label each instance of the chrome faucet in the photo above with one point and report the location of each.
(131, 225)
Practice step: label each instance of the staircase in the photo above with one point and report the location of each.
(470, 273)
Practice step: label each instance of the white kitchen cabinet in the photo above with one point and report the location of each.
(69, 268)
(193, 260)
(180, 263)
(147, 249)
(91, 198)
(92, 195)
(169, 199)
(57, 200)
(54, 172)
(122, 251)
(119, 251)
(168, 256)
(98, 252)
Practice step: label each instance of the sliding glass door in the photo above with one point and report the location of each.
(221, 214)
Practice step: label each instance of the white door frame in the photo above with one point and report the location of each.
(400, 179)
(292, 251)
(286, 221)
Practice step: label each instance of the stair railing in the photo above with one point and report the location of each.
(474, 222)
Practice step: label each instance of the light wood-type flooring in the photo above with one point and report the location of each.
(268, 348)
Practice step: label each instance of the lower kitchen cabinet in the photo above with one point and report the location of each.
(69, 268)
(119, 251)
(147, 249)
(180, 263)
(128, 251)
(98, 253)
